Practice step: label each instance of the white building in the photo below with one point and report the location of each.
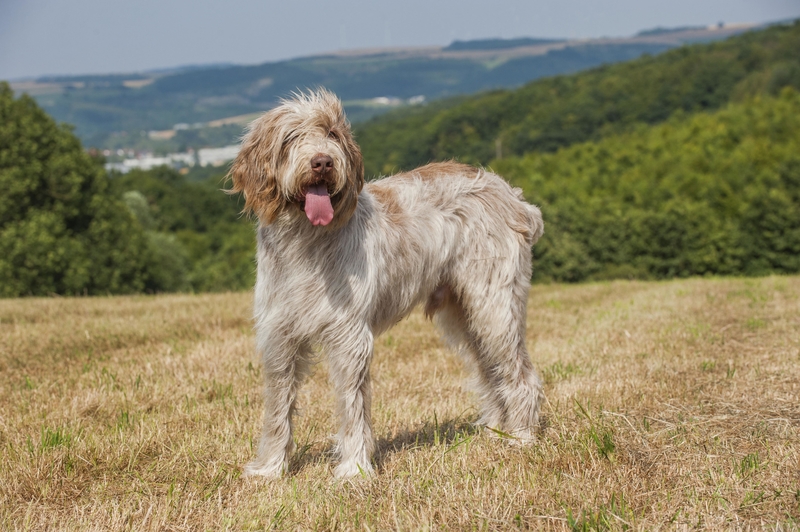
(217, 156)
(203, 157)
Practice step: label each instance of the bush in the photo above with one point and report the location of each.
(197, 238)
(62, 231)
(704, 194)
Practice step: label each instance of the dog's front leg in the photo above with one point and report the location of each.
(349, 361)
(285, 364)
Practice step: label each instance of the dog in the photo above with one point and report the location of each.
(339, 261)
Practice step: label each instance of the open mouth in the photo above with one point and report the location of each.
(317, 204)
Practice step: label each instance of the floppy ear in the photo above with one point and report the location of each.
(253, 175)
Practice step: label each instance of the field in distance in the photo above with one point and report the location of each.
(668, 403)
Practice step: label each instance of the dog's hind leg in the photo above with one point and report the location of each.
(451, 319)
(349, 360)
(496, 313)
(486, 320)
(285, 365)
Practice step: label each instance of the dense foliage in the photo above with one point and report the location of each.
(61, 229)
(701, 194)
(197, 239)
(65, 228)
(548, 114)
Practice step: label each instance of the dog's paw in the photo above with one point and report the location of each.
(350, 469)
(269, 470)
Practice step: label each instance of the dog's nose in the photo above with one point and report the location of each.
(321, 164)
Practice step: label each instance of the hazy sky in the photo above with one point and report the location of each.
(99, 36)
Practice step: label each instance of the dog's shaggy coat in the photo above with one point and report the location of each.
(339, 262)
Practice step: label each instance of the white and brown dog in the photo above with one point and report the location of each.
(340, 261)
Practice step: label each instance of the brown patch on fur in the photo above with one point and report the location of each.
(252, 173)
(438, 300)
(387, 198)
(434, 170)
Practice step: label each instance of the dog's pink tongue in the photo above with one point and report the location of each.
(318, 205)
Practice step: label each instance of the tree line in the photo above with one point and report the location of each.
(67, 227)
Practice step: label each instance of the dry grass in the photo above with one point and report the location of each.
(670, 404)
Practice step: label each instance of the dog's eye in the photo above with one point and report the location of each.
(333, 135)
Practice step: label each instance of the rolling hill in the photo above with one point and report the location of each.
(552, 113)
(114, 110)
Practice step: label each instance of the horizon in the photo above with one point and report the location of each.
(45, 38)
(376, 50)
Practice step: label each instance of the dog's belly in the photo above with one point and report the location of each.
(395, 303)
(406, 276)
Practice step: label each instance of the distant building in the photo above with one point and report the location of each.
(203, 157)
(217, 156)
(148, 161)
(387, 100)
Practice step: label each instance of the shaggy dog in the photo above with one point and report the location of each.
(341, 261)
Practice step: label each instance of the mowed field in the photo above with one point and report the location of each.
(669, 405)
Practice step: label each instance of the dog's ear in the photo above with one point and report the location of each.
(253, 173)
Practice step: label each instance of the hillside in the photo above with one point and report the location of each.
(114, 110)
(555, 112)
(700, 194)
(704, 194)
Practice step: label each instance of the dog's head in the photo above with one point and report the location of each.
(300, 158)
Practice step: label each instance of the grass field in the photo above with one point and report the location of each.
(670, 405)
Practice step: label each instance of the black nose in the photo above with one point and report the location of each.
(321, 164)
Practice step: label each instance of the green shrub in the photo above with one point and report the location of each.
(703, 194)
(197, 237)
(62, 231)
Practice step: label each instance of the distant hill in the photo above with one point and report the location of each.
(498, 44)
(120, 109)
(665, 31)
(552, 113)
(707, 193)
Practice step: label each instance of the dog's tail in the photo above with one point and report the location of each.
(535, 222)
(529, 221)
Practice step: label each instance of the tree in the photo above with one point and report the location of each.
(61, 229)
(701, 194)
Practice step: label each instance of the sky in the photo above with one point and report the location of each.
(60, 37)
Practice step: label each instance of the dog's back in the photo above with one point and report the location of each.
(453, 188)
